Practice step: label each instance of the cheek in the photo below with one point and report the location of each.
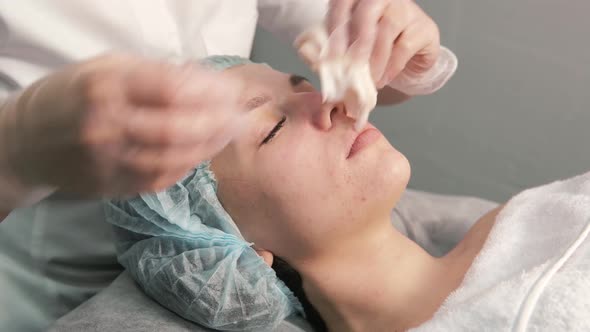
(390, 179)
(291, 177)
(295, 163)
(310, 177)
(377, 183)
(298, 184)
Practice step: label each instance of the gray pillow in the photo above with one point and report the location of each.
(124, 307)
(436, 222)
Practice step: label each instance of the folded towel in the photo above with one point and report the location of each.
(533, 273)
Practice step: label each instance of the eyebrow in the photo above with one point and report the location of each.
(257, 101)
(295, 80)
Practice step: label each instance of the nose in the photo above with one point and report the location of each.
(308, 107)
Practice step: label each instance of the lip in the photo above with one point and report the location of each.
(365, 138)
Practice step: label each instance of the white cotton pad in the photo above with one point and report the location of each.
(341, 79)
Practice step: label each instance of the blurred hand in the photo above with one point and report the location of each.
(118, 124)
(395, 36)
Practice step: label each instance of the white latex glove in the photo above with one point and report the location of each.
(394, 36)
(368, 44)
(116, 124)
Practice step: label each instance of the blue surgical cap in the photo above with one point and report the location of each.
(186, 252)
(222, 62)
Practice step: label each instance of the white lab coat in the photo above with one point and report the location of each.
(39, 36)
(59, 252)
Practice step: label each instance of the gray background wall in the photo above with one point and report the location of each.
(517, 112)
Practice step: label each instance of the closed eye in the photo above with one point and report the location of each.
(274, 131)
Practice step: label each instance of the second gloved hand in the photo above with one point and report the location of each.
(365, 45)
(117, 124)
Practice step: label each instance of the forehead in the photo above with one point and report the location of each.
(261, 76)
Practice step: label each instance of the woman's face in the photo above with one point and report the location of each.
(290, 181)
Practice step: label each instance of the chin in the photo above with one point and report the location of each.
(389, 176)
(381, 185)
(383, 172)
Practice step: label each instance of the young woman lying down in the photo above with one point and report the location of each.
(300, 187)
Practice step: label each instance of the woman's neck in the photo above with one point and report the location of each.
(380, 281)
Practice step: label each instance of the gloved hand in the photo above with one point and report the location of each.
(396, 36)
(365, 45)
(116, 124)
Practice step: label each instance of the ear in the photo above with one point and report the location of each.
(266, 255)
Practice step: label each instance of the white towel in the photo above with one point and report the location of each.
(531, 236)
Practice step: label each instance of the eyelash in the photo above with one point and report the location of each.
(274, 131)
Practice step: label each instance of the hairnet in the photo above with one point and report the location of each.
(187, 253)
(222, 62)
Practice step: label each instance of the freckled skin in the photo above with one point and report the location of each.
(299, 190)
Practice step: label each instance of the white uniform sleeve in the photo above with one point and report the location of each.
(288, 18)
(13, 192)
